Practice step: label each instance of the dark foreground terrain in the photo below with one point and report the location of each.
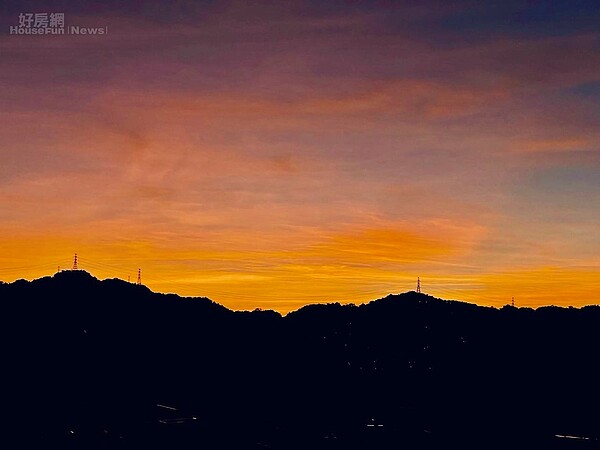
(108, 364)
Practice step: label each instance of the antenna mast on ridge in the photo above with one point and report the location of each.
(75, 262)
(418, 285)
(139, 280)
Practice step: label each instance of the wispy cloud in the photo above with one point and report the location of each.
(287, 153)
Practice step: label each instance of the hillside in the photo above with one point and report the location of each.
(105, 363)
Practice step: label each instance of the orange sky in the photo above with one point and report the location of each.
(274, 155)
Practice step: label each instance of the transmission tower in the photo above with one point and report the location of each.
(139, 280)
(75, 262)
(418, 285)
(512, 302)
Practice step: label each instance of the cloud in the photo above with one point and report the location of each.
(346, 147)
(576, 144)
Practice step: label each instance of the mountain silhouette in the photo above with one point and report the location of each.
(111, 364)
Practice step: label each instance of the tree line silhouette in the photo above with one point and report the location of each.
(110, 364)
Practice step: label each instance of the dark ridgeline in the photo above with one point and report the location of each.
(100, 364)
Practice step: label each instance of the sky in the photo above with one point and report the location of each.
(274, 154)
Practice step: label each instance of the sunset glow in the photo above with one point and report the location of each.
(271, 155)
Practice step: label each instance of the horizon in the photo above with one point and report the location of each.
(303, 150)
(283, 313)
